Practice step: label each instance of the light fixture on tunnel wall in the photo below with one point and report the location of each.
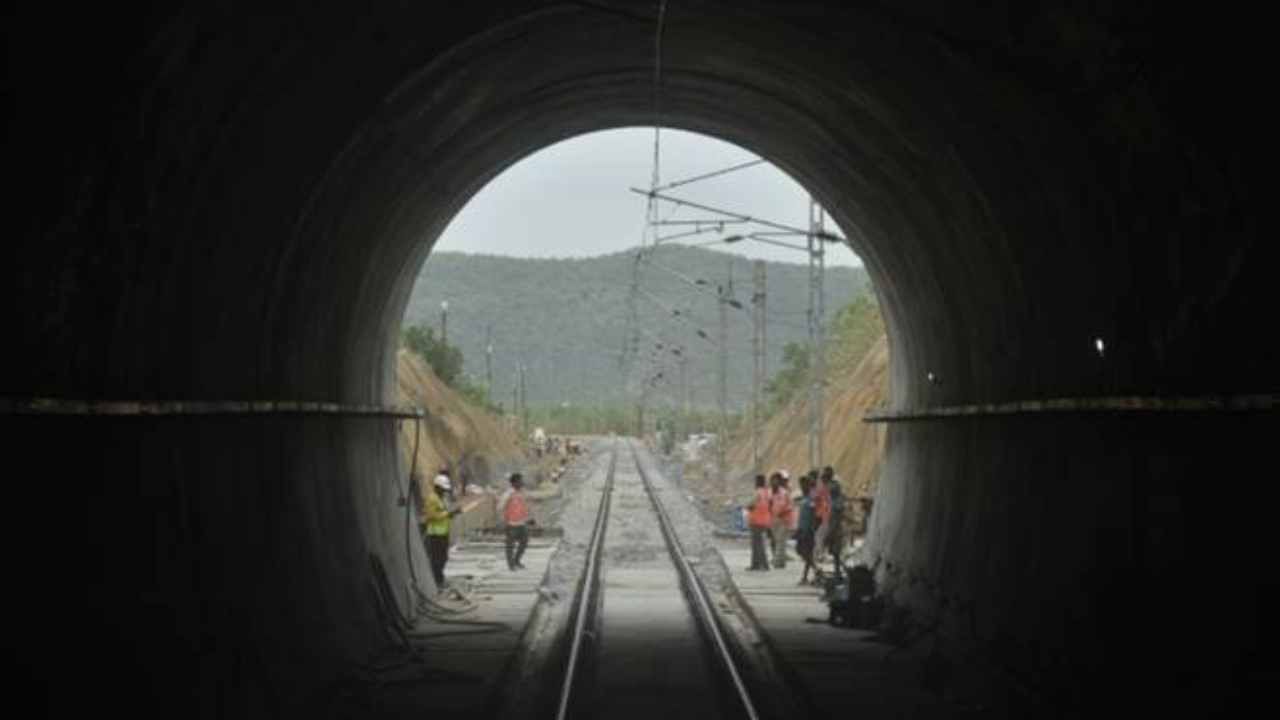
(933, 379)
(1100, 346)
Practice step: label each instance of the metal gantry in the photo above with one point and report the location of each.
(815, 235)
(817, 333)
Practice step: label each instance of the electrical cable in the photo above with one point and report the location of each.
(408, 503)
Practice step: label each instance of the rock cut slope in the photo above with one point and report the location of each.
(456, 433)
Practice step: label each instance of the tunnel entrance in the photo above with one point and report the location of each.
(203, 222)
(615, 329)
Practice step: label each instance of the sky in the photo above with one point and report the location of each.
(571, 199)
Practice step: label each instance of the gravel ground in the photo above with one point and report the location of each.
(576, 517)
(631, 520)
(692, 527)
(574, 513)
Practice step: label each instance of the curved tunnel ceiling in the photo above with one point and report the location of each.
(218, 208)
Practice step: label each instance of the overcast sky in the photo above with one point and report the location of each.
(571, 199)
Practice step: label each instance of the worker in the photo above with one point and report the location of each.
(760, 520)
(805, 526)
(539, 441)
(437, 514)
(821, 511)
(513, 508)
(783, 511)
(835, 518)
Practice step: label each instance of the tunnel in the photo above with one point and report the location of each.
(217, 213)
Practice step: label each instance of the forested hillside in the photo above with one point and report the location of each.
(566, 320)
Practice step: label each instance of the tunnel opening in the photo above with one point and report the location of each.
(987, 163)
(571, 202)
(564, 308)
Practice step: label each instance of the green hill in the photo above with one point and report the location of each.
(566, 320)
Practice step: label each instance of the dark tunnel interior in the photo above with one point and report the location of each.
(211, 203)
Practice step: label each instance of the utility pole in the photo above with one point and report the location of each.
(488, 364)
(444, 322)
(684, 381)
(757, 363)
(632, 350)
(722, 438)
(640, 411)
(524, 404)
(817, 350)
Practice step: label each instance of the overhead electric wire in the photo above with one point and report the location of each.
(707, 176)
(732, 214)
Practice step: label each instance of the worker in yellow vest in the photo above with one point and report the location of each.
(513, 508)
(437, 513)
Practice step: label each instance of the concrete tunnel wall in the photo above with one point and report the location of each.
(223, 206)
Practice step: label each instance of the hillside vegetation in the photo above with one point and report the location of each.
(566, 320)
(857, 382)
(455, 432)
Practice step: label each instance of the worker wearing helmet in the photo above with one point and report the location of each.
(437, 512)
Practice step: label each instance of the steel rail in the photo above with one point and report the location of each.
(588, 592)
(696, 594)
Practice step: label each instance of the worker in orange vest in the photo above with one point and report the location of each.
(821, 513)
(760, 520)
(784, 516)
(513, 508)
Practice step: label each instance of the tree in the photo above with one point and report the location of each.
(444, 359)
(793, 375)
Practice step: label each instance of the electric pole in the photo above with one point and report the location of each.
(488, 364)
(444, 322)
(757, 363)
(524, 404)
(515, 398)
(632, 350)
(817, 349)
(684, 381)
(640, 411)
(722, 438)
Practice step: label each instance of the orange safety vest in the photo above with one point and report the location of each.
(517, 510)
(783, 509)
(822, 503)
(760, 515)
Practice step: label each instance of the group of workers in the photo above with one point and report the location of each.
(438, 508)
(544, 444)
(814, 518)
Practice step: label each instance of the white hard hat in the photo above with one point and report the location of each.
(443, 482)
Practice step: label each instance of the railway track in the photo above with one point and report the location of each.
(644, 638)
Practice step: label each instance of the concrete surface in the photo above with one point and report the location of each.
(464, 667)
(837, 672)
